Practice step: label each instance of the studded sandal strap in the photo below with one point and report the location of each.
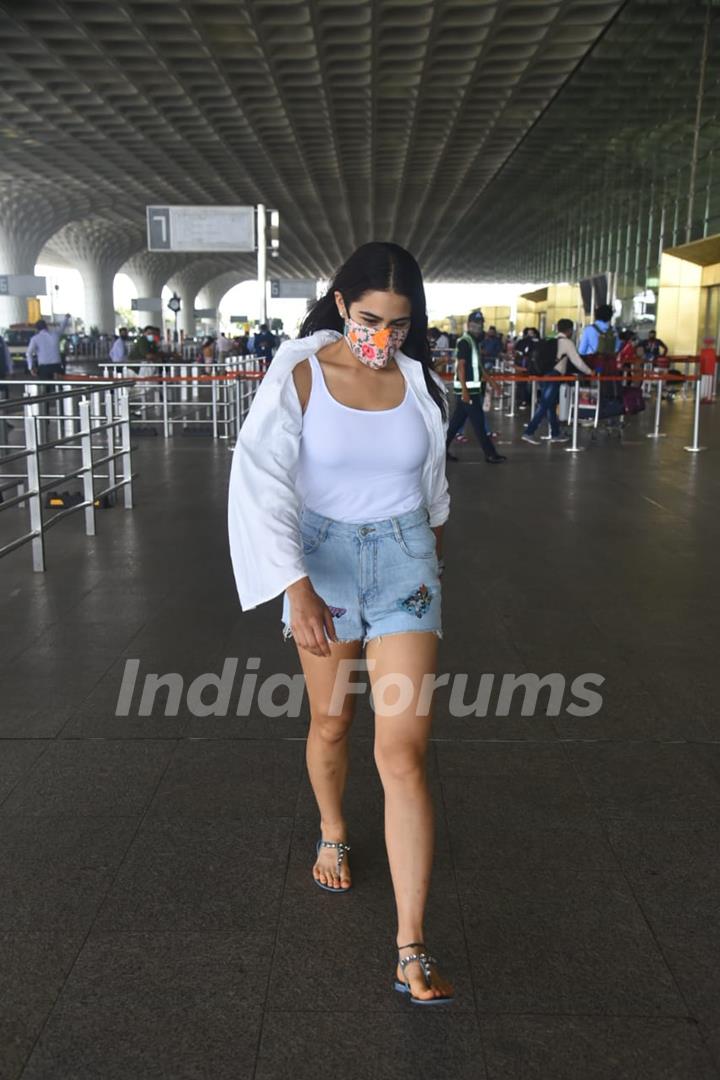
(424, 959)
(342, 848)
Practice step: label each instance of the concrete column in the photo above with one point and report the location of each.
(18, 255)
(29, 215)
(99, 303)
(96, 247)
(149, 272)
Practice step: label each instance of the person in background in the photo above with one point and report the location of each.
(146, 348)
(264, 345)
(469, 385)
(224, 347)
(599, 339)
(43, 351)
(120, 348)
(654, 347)
(207, 351)
(569, 362)
(491, 347)
(6, 361)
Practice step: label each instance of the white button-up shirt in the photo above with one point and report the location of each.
(119, 350)
(44, 347)
(263, 504)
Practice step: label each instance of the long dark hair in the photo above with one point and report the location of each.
(380, 267)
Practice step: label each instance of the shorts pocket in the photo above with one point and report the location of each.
(312, 537)
(417, 541)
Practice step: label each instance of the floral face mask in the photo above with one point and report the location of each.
(373, 347)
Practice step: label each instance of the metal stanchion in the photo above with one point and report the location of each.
(533, 398)
(166, 419)
(124, 402)
(575, 449)
(696, 448)
(656, 433)
(213, 391)
(34, 497)
(68, 413)
(110, 436)
(86, 456)
(512, 400)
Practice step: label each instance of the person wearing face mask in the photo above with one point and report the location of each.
(469, 385)
(337, 501)
(146, 349)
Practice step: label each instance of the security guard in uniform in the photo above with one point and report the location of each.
(469, 386)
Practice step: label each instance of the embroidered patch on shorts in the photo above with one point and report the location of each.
(336, 612)
(418, 602)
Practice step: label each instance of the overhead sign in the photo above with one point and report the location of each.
(147, 303)
(297, 289)
(201, 228)
(239, 318)
(205, 313)
(22, 285)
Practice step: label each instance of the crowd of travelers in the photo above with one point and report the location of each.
(479, 355)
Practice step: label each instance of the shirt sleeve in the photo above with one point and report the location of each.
(263, 512)
(588, 342)
(30, 351)
(439, 508)
(574, 357)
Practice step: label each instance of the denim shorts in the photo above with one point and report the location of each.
(377, 578)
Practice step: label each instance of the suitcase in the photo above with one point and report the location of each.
(633, 400)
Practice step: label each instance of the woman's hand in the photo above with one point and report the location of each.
(310, 619)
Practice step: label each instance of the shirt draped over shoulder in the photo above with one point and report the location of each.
(263, 503)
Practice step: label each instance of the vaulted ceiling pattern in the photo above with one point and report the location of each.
(409, 120)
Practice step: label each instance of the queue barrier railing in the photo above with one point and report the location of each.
(658, 378)
(103, 411)
(191, 395)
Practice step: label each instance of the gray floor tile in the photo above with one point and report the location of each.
(80, 777)
(645, 781)
(54, 871)
(563, 941)
(199, 874)
(674, 871)
(34, 967)
(594, 1048)
(439, 1042)
(185, 1034)
(243, 780)
(17, 757)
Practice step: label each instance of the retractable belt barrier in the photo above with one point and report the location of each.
(102, 411)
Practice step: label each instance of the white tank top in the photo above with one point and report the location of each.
(360, 465)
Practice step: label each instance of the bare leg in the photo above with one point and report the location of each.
(400, 753)
(327, 753)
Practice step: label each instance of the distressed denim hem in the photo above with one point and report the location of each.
(409, 630)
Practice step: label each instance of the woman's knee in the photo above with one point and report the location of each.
(331, 729)
(401, 763)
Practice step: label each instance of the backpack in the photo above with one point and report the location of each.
(606, 341)
(544, 357)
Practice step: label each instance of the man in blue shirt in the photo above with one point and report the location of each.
(590, 342)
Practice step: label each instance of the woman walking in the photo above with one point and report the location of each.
(337, 500)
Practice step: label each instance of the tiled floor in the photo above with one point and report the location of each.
(157, 915)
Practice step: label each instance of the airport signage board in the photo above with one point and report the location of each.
(293, 289)
(205, 313)
(22, 285)
(147, 303)
(200, 228)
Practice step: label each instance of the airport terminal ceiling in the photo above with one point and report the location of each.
(485, 136)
